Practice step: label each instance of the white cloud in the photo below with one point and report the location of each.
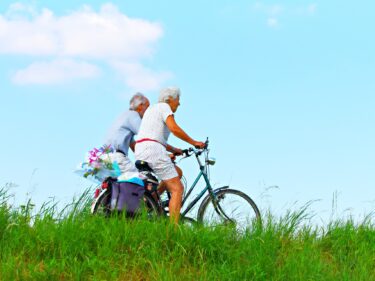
(139, 77)
(85, 33)
(307, 10)
(82, 35)
(272, 22)
(56, 71)
(271, 10)
(19, 10)
(274, 12)
(312, 8)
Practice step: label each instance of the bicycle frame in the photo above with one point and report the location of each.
(203, 173)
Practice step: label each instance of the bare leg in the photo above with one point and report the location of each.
(179, 171)
(176, 189)
(162, 187)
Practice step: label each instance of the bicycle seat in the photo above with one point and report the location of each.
(142, 166)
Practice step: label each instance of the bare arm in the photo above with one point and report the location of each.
(178, 132)
(173, 149)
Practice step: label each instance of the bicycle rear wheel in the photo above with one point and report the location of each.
(232, 207)
(149, 207)
(102, 206)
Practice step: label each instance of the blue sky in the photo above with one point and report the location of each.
(284, 90)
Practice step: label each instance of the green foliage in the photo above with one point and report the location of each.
(74, 245)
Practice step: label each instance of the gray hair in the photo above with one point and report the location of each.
(137, 100)
(170, 92)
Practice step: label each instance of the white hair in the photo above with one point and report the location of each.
(167, 93)
(137, 100)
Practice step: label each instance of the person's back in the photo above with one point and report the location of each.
(153, 125)
(121, 134)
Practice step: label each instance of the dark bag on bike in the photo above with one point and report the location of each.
(126, 196)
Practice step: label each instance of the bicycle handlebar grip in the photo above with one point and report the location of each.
(185, 151)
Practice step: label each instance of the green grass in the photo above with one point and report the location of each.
(73, 245)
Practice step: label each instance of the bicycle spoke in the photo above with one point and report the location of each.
(234, 208)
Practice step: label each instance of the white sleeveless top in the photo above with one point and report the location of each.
(154, 125)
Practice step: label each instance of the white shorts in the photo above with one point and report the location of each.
(127, 167)
(157, 158)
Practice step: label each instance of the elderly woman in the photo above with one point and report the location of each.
(152, 147)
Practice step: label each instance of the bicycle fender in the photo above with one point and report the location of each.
(220, 188)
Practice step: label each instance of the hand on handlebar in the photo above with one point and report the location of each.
(178, 152)
(199, 144)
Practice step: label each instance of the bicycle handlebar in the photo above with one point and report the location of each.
(193, 150)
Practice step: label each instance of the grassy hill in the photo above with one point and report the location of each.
(77, 246)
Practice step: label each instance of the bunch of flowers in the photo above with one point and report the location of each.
(99, 164)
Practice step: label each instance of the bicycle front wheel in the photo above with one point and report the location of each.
(230, 207)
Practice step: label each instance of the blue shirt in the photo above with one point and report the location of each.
(123, 130)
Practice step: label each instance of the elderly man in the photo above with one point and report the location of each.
(121, 134)
(152, 147)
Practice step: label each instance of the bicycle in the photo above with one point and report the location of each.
(221, 205)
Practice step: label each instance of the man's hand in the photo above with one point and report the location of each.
(199, 144)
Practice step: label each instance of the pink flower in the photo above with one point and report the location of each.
(96, 165)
